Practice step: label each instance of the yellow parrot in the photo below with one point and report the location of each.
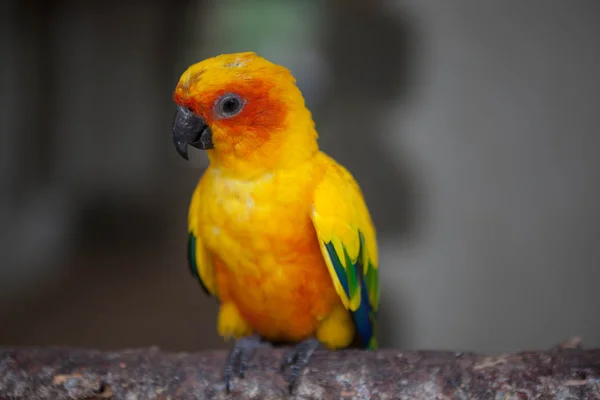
(279, 232)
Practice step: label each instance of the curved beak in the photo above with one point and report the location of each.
(189, 128)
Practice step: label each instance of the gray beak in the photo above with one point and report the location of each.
(190, 129)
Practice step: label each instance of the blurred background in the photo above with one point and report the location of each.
(472, 127)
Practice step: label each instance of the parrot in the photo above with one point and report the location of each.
(278, 231)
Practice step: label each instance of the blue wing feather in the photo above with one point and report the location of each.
(364, 316)
(339, 268)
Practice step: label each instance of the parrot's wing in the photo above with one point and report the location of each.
(200, 264)
(200, 260)
(348, 242)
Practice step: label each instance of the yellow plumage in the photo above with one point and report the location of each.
(279, 231)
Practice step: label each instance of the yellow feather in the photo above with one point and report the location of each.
(204, 265)
(336, 282)
(339, 198)
(270, 208)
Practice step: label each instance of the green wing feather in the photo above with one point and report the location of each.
(349, 247)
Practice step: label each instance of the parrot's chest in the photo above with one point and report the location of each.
(266, 254)
(246, 221)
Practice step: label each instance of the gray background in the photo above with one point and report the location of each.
(472, 128)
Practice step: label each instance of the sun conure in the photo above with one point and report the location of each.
(279, 232)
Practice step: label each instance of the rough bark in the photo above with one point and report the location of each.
(565, 372)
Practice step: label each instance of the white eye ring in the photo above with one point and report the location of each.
(229, 105)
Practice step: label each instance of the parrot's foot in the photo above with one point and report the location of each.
(238, 358)
(298, 359)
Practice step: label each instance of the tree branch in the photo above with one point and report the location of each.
(564, 372)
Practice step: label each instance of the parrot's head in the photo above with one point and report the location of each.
(247, 112)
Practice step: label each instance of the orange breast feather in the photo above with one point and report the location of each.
(266, 255)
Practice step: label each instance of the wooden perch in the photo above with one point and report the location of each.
(565, 372)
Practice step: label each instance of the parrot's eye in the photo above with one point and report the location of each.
(229, 105)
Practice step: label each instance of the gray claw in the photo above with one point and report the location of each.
(298, 359)
(238, 359)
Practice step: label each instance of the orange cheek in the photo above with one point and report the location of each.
(262, 116)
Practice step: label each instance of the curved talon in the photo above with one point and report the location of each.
(238, 358)
(298, 358)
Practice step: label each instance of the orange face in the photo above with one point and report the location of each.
(246, 111)
(242, 98)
